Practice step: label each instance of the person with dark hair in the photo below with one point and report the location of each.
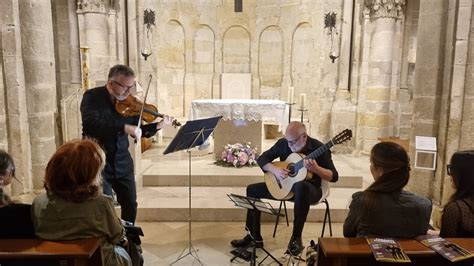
(384, 209)
(102, 122)
(458, 214)
(15, 218)
(74, 207)
(306, 192)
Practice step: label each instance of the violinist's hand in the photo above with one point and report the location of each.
(167, 120)
(133, 131)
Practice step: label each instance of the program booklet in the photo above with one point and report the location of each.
(387, 250)
(443, 247)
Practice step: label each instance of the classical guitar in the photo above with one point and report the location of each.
(281, 189)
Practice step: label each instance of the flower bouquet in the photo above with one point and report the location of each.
(238, 155)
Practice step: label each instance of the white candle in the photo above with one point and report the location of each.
(290, 94)
(302, 100)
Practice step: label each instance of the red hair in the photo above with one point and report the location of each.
(72, 173)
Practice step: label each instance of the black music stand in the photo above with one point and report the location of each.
(191, 134)
(259, 205)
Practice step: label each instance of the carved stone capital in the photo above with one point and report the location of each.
(385, 8)
(95, 6)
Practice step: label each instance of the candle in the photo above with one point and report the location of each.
(302, 100)
(290, 94)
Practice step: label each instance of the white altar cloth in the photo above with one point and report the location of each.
(238, 109)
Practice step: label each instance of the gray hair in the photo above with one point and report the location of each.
(118, 70)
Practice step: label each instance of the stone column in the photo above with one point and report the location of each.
(374, 119)
(40, 82)
(431, 53)
(343, 111)
(75, 65)
(94, 32)
(16, 124)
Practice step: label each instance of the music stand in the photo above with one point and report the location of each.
(258, 205)
(190, 135)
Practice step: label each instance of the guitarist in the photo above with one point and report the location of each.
(306, 192)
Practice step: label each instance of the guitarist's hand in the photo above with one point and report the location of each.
(281, 173)
(311, 165)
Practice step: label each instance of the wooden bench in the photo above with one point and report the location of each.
(75, 252)
(356, 251)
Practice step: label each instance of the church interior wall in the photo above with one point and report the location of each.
(402, 76)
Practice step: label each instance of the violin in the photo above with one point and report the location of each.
(132, 106)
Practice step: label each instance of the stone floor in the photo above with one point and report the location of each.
(164, 241)
(163, 207)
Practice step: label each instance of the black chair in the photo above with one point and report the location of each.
(327, 214)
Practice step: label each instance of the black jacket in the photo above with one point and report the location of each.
(282, 150)
(102, 122)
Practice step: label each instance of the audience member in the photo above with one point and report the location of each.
(384, 209)
(15, 219)
(458, 214)
(74, 207)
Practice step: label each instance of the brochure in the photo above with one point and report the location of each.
(443, 247)
(387, 250)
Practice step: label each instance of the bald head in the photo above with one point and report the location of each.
(295, 129)
(296, 136)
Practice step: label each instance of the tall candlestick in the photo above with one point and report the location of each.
(290, 94)
(302, 101)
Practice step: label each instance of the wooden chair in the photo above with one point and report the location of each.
(327, 213)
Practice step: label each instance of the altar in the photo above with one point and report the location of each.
(242, 119)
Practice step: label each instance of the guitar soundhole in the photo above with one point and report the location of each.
(292, 172)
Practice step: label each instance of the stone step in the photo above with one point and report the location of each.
(160, 204)
(205, 173)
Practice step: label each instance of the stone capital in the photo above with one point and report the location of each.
(385, 8)
(95, 6)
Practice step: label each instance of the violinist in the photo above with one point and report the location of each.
(101, 121)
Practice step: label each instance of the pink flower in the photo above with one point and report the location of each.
(223, 155)
(230, 157)
(243, 158)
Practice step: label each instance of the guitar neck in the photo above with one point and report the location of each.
(313, 155)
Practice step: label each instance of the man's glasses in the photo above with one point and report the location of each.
(448, 169)
(293, 142)
(128, 88)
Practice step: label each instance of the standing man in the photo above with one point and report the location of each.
(102, 122)
(306, 192)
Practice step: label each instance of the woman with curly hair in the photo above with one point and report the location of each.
(74, 207)
(384, 209)
(458, 214)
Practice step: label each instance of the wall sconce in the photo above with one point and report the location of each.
(330, 23)
(148, 33)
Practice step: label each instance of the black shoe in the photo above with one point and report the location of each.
(246, 241)
(295, 247)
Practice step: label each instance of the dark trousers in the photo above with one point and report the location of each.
(305, 194)
(126, 195)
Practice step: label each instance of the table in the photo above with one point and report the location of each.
(241, 119)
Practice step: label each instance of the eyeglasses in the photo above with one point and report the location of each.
(448, 169)
(127, 88)
(293, 142)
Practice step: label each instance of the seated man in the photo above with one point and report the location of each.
(306, 192)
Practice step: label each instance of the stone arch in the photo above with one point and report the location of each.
(175, 66)
(302, 54)
(236, 50)
(203, 61)
(270, 62)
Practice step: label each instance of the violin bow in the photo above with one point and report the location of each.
(143, 105)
